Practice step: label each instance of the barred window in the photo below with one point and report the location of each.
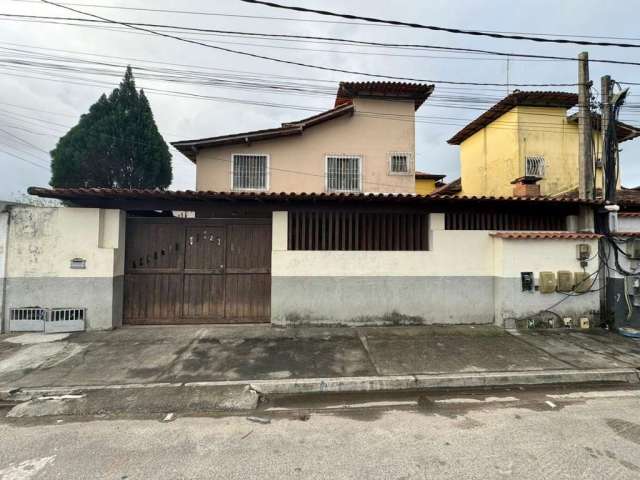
(250, 172)
(534, 166)
(343, 173)
(399, 163)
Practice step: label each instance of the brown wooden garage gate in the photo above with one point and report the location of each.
(191, 271)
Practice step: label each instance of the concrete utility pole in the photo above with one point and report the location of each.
(605, 117)
(585, 154)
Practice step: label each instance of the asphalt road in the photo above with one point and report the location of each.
(588, 435)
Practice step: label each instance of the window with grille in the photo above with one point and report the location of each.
(343, 173)
(250, 172)
(534, 166)
(399, 163)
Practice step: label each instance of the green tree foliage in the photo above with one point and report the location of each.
(115, 144)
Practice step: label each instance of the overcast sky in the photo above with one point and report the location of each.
(38, 104)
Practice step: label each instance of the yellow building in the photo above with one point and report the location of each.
(426, 183)
(526, 135)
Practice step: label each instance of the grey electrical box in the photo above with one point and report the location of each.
(547, 282)
(583, 251)
(565, 281)
(582, 282)
(633, 248)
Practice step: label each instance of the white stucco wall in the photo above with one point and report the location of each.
(42, 242)
(466, 276)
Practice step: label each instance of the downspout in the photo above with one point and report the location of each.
(3, 269)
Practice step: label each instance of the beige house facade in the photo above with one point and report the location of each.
(366, 143)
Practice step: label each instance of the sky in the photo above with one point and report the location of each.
(52, 72)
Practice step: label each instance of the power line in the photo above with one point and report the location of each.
(332, 39)
(300, 64)
(23, 159)
(440, 29)
(291, 19)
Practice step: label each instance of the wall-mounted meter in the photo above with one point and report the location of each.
(565, 281)
(527, 281)
(633, 248)
(583, 251)
(547, 282)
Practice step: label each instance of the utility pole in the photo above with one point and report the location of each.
(605, 118)
(585, 154)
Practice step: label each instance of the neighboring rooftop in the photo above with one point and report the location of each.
(189, 148)
(451, 188)
(529, 99)
(418, 92)
(429, 176)
(624, 131)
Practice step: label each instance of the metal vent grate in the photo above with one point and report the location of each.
(27, 319)
(66, 320)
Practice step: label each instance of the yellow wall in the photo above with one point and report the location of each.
(495, 156)
(424, 186)
(297, 163)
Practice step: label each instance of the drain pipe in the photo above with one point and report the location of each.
(5, 216)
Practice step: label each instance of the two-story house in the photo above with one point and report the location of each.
(366, 143)
(526, 144)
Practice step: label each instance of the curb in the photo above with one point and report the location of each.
(437, 381)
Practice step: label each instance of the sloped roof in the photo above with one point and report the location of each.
(455, 186)
(189, 147)
(418, 92)
(428, 176)
(518, 98)
(624, 131)
(552, 235)
(79, 194)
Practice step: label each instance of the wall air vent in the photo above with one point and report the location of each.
(27, 319)
(65, 320)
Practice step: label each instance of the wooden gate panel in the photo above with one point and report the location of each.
(152, 298)
(248, 298)
(197, 271)
(203, 297)
(249, 249)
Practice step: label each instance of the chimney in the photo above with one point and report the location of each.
(526, 186)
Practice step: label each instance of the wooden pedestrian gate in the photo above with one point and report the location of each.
(190, 271)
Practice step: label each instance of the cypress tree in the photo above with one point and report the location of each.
(115, 144)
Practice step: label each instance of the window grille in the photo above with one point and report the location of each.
(343, 174)
(250, 172)
(399, 163)
(354, 230)
(534, 166)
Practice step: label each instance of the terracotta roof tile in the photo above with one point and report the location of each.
(533, 99)
(552, 235)
(418, 92)
(142, 194)
(453, 186)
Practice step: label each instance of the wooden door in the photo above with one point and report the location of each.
(182, 271)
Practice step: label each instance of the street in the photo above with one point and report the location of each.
(552, 434)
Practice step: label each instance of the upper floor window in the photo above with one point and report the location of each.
(400, 163)
(343, 173)
(250, 172)
(534, 166)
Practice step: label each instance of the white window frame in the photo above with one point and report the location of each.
(536, 158)
(409, 156)
(360, 171)
(267, 176)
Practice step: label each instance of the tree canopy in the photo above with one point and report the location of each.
(115, 144)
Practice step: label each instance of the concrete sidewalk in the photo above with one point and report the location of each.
(265, 360)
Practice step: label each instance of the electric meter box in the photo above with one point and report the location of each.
(582, 282)
(633, 248)
(547, 282)
(583, 251)
(565, 281)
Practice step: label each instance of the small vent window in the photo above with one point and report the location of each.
(250, 172)
(400, 164)
(534, 166)
(343, 174)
